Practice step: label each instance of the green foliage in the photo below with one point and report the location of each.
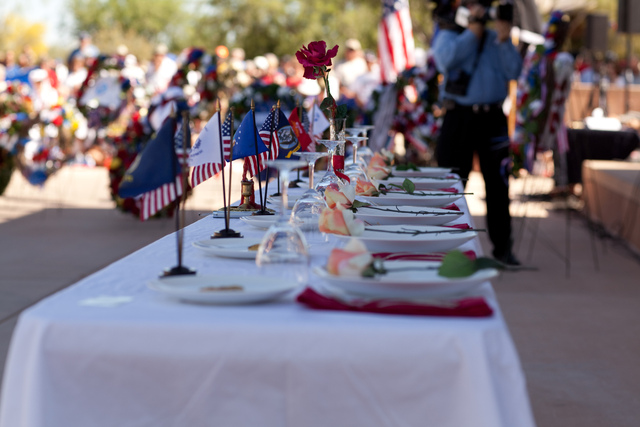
(456, 264)
(408, 186)
(140, 23)
(16, 33)
(282, 27)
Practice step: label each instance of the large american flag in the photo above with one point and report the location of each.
(205, 171)
(395, 39)
(270, 127)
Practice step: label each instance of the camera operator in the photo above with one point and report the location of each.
(477, 64)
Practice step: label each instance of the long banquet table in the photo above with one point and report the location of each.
(157, 362)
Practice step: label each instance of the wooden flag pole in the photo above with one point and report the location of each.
(271, 127)
(226, 232)
(224, 189)
(231, 144)
(262, 210)
(180, 269)
(297, 180)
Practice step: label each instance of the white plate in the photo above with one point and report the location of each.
(261, 222)
(423, 171)
(274, 202)
(422, 183)
(442, 239)
(407, 284)
(402, 199)
(229, 247)
(193, 288)
(407, 215)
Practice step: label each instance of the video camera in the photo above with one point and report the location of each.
(447, 14)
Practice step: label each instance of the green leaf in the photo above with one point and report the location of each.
(358, 204)
(456, 264)
(326, 103)
(407, 167)
(342, 111)
(408, 186)
(482, 263)
(370, 271)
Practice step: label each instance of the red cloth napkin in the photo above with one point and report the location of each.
(408, 256)
(467, 307)
(451, 207)
(460, 226)
(449, 190)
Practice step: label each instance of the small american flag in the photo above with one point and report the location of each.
(395, 39)
(226, 137)
(155, 200)
(270, 126)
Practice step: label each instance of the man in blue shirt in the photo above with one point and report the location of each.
(477, 64)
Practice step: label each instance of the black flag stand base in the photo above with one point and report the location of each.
(224, 233)
(178, 270)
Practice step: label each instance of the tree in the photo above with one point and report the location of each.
(17, 33)
(282, 27)
(139, 23)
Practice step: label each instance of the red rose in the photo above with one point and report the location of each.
(315, 57)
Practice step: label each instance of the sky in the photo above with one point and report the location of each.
(53, 13)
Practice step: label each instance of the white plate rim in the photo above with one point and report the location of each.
(217, 247)
(260, 288)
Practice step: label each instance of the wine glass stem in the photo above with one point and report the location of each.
(331, 153)
(311, 170)
(284, 182)
(355, 152)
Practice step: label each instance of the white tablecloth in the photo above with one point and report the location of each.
(156, 362)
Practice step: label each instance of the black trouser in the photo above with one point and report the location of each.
(484, 130)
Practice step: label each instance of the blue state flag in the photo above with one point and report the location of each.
(245, 139)
(156, 165)
(286, 137)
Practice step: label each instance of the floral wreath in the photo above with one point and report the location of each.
(530, 104)
(417, 96)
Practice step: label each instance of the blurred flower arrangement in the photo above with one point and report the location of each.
(127, 145)
(417, 114)
(264, 98)
(536, 89)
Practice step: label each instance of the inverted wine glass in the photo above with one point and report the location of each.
(307, 209)
(354, 169)
(330, 176)
(365, 152)
(283, 251)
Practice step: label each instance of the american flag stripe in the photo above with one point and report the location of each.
(155, 200)
(201, 173)
(275, 143)
(252, 166)
(273, 150)
(395, 40)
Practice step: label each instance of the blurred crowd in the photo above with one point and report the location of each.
(609, 68)
(50, 83)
